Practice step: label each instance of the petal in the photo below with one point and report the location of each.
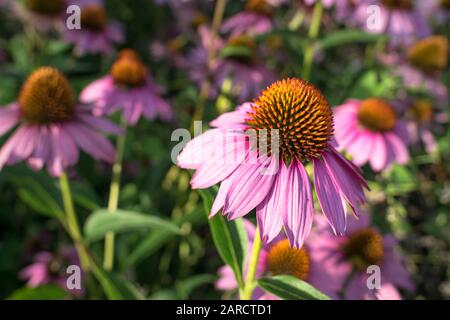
(329, 197)
(9, 117)
(270, 211)
(299, 211)
(379, 153)
(249, 186)
(100, 124)
(398, 147)
(97, 90)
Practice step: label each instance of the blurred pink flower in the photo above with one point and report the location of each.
(274, 180)
(256, 19)
(398, 19)
(50, 268)
(437, 11)
(370, 131)
(52, 126)
(130, 88)
(350, 256)
(98, 34)
(303, 263)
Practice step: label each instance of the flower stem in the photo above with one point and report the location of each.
(312, 35)
(113, 201)
(71, 222)
(249, 286)
(219, 11)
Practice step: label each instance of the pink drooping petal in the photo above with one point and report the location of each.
(250, 185)
(398, 147)
(361, 149)
(219, 201)
(329, 197)
(299, 211)
(25, 143)
(100, 124)
(234, 119)
(41, 151)
(97, 90)
(270, 211)
(379, 153)
(221, 164)
(9, 117)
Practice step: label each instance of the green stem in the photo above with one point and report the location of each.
(71, 222)
(113, 202)
(249, 286)
(312, 35)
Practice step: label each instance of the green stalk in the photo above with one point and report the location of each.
(71, 222)
(250, 285)
(113, 201)
(312, 35)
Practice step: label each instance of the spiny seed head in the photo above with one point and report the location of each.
(422, 111)
(364, 248)
(93, 17)
(284, 259)
(300, 113)
(259, 6)
(429, 54)
(128, 70)
(47, 97)
(377, 115)
(46, 7)
(398, 4)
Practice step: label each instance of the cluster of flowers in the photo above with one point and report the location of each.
(50, 124)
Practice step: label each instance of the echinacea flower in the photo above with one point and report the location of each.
(97, 34)
(43, 15)
(437, 11)
(52, 126)
(425, 61)
(278, 257)
(398, 19)
(50, 268)
(270, 175)
(362, 247)
(240, 64)
(255, 19)
(130, 88)
(370, 131)
(423, 120)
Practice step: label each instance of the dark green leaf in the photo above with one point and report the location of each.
(44, 292)
(291, 288)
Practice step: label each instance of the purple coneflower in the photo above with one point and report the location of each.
(128, 87)
(370, 131)
(44, 15)
(278, 257)
(50, 268)
(437, 11)
(255, 19)
(351, 255)
(97, 33)
(399, 19)
(52, 126)
(271, 176)
(423, 120)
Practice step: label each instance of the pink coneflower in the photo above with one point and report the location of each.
(437, 11)
(425, 61)
(423, 120)
(240, 63)
(351, 255)
(43, 15)
(50, 268)
(52, 126)
(278, 257)
(128, 87)
(370, 131)
(97, 33)
(398, 19)
(256, 19)
(271, 176)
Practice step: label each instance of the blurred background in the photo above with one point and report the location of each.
(270, 42)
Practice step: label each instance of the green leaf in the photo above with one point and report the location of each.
(44, 292)
(291, 288)
(116, 287)
(229, 237)
(38, 192)
(154, 241)
(102, 221)
(236, 51)
(348, 36)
